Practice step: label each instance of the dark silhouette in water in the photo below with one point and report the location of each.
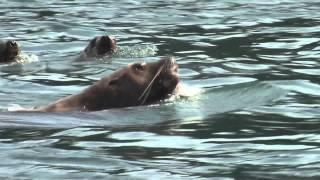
(98, 47)
(9, 51)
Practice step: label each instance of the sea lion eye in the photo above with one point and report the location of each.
(139, 66)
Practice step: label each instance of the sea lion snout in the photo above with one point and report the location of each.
(12, 43)
(169, 77)
(106, 45)
(112, 39)
(170, 63)
(113, 42)
(13, 49)
(170, 66)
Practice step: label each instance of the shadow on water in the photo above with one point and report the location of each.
(212, 101)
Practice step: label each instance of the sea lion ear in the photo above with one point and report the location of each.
(114, 81)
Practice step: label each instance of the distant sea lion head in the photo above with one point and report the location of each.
(101, 46)
(9, 50)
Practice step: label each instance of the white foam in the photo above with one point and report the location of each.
(135, 51)
(185, 90)
(17, 107)
(27, 58)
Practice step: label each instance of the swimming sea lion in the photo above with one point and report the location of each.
(136, 84)
(98, 47)
(9, 50)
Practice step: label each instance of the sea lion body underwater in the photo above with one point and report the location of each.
(98, 47)
(9, 51)
(133, 85)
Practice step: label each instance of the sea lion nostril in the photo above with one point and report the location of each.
(13, 43)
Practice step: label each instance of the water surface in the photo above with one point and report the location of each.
(257, 61)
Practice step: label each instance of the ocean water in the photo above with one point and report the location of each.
(256, 117)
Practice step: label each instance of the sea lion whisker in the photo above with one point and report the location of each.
(151, 82)
(146, 96)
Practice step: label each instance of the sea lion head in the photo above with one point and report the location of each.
(9, 50)
(137, 84)
(101, 46)
(133, 85)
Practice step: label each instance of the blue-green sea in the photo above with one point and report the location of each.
(257, 116)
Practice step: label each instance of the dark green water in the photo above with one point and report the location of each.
(258, 118)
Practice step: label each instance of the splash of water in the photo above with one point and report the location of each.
(27, 58)
(135, 51)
